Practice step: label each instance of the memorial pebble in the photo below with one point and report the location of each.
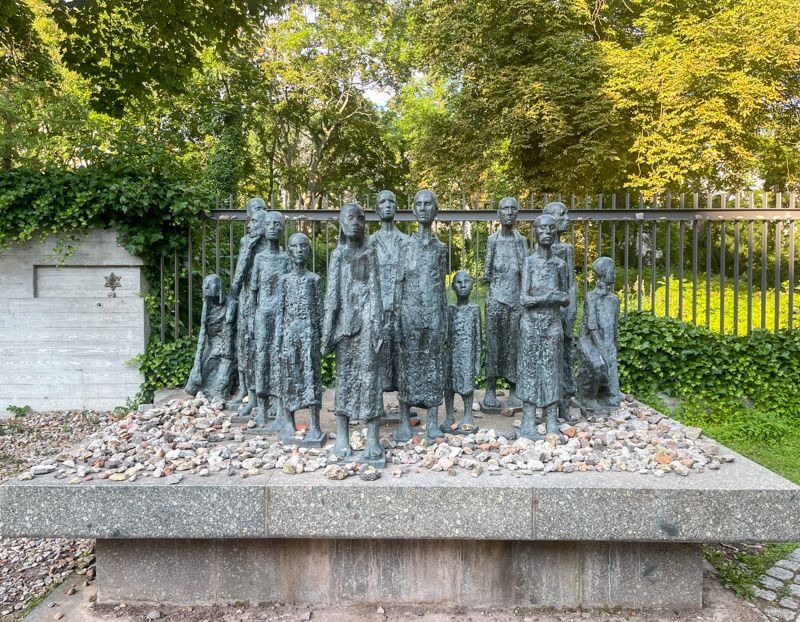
(166, 441)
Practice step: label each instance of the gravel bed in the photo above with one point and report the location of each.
(30, 568)
(195, 436)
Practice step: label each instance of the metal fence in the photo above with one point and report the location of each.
(725, 261)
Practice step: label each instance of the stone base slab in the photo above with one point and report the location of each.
(488, 573)
(741, 502)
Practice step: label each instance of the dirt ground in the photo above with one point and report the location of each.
(719, 605)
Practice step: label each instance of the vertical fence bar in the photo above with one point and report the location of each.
(736, 239)
(327, 247)
(790, 317)
(314, 245)
(764, 237)
(599, 228)
(190, 324)
(695, 235)
(477, 260)
(722, 253)
(614, 230)
(639, 277)
(585, 254)
(175, 331)
(203, 249)
(750, 277)
(464, 245)
(667, 274)
(450, 251)
(217, 251)
(681, 239)
(230, 253)
(653, 245)
(778, 244)
(625, 269)
(162, 319)
(708, 273)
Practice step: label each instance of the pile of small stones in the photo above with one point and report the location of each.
(30, 568)
(196, 436)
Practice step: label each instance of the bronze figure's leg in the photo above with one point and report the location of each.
(528, 428)
(342, 446)
(403, 433)
(432, 431)
(449, 419)
(468, 419)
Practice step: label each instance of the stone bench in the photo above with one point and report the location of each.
(611, 539)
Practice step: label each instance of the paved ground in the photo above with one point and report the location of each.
(779, 594)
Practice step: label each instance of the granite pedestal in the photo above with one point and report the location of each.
(561, 540)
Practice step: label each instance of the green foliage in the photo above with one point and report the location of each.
(329, 370)
(740, 567)
(139, 193)
(576, 94)
(130, 49)
(164, 365)
(224, 168)
(740, 388)
(26, 54)
(19, 411)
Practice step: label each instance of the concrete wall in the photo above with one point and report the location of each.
(64, 339)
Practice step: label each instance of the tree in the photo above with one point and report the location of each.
(710, 93)
(304, 77)
(129, 49)
(576, 95)
(515, 91)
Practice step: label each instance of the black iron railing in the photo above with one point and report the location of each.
(724, 261)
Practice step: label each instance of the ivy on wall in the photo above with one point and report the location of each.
(148, 202)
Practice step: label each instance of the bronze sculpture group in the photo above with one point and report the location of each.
(386, 318)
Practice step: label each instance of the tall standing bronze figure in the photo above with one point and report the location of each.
(566, 251)
(506, 251)
(269, 265)
(388, 242)
(422, 320)
(243, 306)
(540, 366)
(352, 329)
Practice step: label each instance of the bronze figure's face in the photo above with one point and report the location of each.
(255, 226)
(605, 272)
(425, 207)
(386, 206)
(273, 225)
(256, 207)
(299, 248)
(462, 284)
(352, 221)
(507, 211)
(546, 230)
(212, 287)
(558, 210)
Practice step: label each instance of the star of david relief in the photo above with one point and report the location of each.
(113, 281)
